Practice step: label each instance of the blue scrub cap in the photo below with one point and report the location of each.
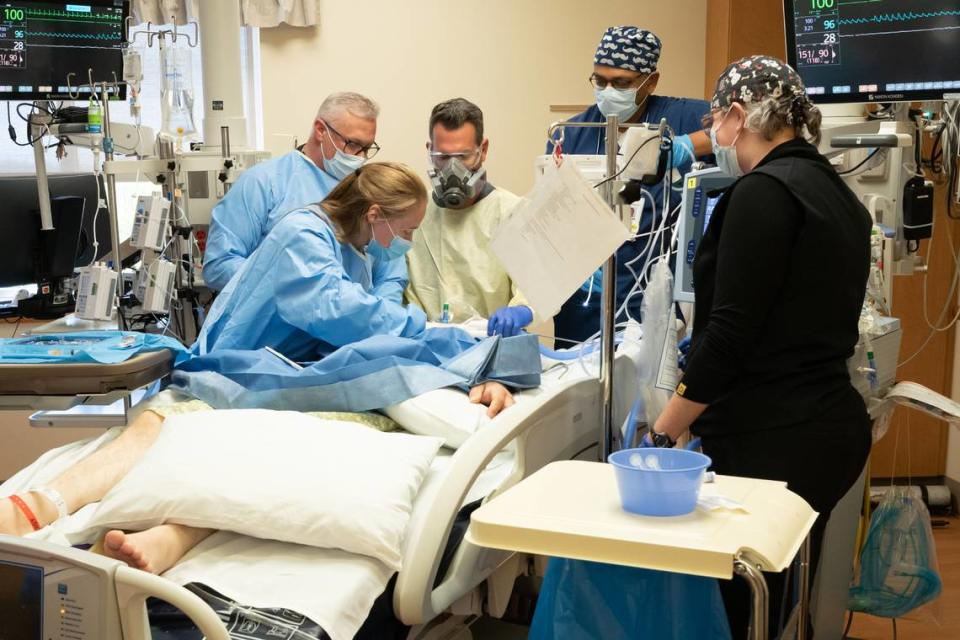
(629, 48)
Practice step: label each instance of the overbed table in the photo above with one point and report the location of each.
(572, 509)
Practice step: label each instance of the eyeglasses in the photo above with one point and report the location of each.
(354, 148)
(599, 82)
(468, 158)
(707, 120)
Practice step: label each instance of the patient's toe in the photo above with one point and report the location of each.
(120, 546)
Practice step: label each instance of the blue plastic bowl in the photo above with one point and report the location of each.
(670, 490)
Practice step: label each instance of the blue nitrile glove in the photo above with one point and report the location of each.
(682, 151)
(684, 348)
(508, 321)
(646, 442)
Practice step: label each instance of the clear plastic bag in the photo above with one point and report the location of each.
(658, 358)
(898, 564)
(176, 90)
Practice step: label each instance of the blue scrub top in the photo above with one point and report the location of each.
(259, 199)
(304, 293)
(579, 318)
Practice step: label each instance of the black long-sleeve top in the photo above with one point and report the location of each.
(780, 277)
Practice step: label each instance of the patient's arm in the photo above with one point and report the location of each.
(494, 395)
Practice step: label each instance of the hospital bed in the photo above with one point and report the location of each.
(557, 421)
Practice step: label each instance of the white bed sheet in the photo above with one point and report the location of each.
(334, 588)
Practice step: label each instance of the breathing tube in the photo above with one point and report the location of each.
(575, 354)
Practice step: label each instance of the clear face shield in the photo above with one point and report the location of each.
(454, 184)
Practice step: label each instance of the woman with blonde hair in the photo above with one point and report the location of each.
(326, 276)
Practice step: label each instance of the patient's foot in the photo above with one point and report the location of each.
(154, 550)
(14, 522)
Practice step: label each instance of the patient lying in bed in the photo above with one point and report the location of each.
(158, 548)
(315, 282)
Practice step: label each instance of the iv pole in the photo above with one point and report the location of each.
(609, 276)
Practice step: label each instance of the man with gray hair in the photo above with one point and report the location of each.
(341, 141)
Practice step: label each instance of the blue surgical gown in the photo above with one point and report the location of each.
(579, 318)
(304, 293)
(261, 196)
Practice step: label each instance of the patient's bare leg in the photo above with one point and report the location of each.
(88, 480)
(154, 550)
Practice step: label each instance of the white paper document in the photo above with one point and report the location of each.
(558, 236)
(914, 395)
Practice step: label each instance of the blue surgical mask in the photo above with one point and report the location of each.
(726, 155)
(397, 249)
(619, 102)
(341, 164)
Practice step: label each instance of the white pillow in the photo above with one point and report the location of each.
(444, 413)
(278, 475)
(449, 414)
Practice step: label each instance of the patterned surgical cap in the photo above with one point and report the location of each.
(755, 78)
(629, 48)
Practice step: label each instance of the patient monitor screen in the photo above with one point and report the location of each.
(702, 191)
(708, 208)
(42, 42)
(874, 50)
(21, 601)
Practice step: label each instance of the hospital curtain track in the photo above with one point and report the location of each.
(254, 13)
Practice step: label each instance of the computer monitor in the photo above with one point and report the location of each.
(874, 51)
(29, 255)
(701, 192)
(42, 42)
(45, 257)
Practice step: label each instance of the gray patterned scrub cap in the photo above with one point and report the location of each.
(629, 48)
(755, 78)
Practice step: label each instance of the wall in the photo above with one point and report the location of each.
(916, 444)
(953, 433)
(513, 58)
(22, 443)
(741, 28)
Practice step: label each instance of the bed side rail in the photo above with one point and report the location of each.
(566, 416)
